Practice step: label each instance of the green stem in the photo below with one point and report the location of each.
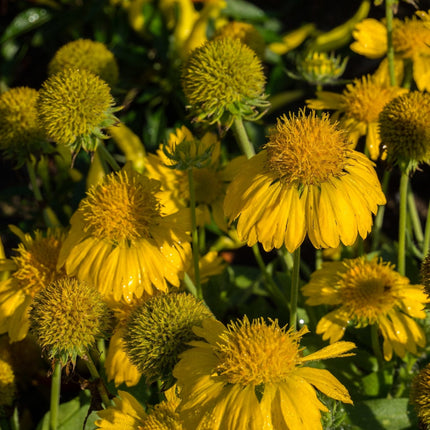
(318, 258)
(33, 180)
(401, 256)
(426, 243)
(107, 156)
(379, 219)
(242, 138)
(295, 280)
(389, 5)
(376, 345)
(415, 219)
(55, 396)
(101, 347)
(194, 234)
(96, 376)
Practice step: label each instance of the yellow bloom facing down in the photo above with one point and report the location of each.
(369, 292)
(306, 181)
(251, 376)
(126, 237)
(358, 108)
(128, 414)
(33, 268)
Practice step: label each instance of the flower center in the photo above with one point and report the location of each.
(123, 208)
(411, 38)
(255, 353)
(306, 149)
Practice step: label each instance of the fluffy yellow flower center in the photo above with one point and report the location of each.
(254, 353)
(369, 289)
(411, 37)
(123, 208)
(306, 150)
(37, 264)
(364, 99)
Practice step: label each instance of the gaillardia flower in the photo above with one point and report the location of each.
(33, 267)
(420, 395)
(369, 292)
(405, 130)
(223, 80)
(128, 414)
(67, 317)
(126, 237)
(358, 108)
(306, 180)
(411, 42)
(86, 54)
(74, 106)
(20, 131)
(250, 376)
(160, 329)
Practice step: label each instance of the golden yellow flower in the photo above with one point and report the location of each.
(358, 108)
(369, 292)
(33, 268)
(86, 54)
(420, 395)
(306, 180)
(126, 237)
(250, 376)
(210, 181)
(223, 80)
(128, 414)
(411, 41)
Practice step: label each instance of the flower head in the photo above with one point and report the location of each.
(67, 317)
(358, 108)
(7, 386)
(33, 267)
(306, 180)
(21, 133)
(86, 54)
(74, 106)
(223, 80)
(369, 292)
(405, 130)
(128, 414)
(160, 329)
(250, 375)
(420, 395)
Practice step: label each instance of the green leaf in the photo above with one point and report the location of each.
(381, 414)
(26, 21)
(242, 10)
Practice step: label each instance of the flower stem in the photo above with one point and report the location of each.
(96, 376)
(389, 5)
(379, 219)
(107, 156)
(194, 234)
(426, 243)
(242, 138)
(295, 280)
(413, 213)
(401, 256)
(376, 345)
(55, 396)
(34, 185)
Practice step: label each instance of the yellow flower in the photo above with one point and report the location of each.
(420, 396)
(369, 292)
(126, 237)
(74, 106)
(34, 267)
(306, 180)
(358, 108)
(128, 414)
(411, 41)
(7, 386)
(86, 54)
(250, 376)
(223, 80)
(210, 181)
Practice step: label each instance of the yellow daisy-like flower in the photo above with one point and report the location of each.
(210, 181)
(126, 237)
(411, 41)
(358, 108)
(223, 80)
(86, 54)
(128, 414)
(34, 267)
(306, 180)
(369, 292)
(250, 376)
(74, 106)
